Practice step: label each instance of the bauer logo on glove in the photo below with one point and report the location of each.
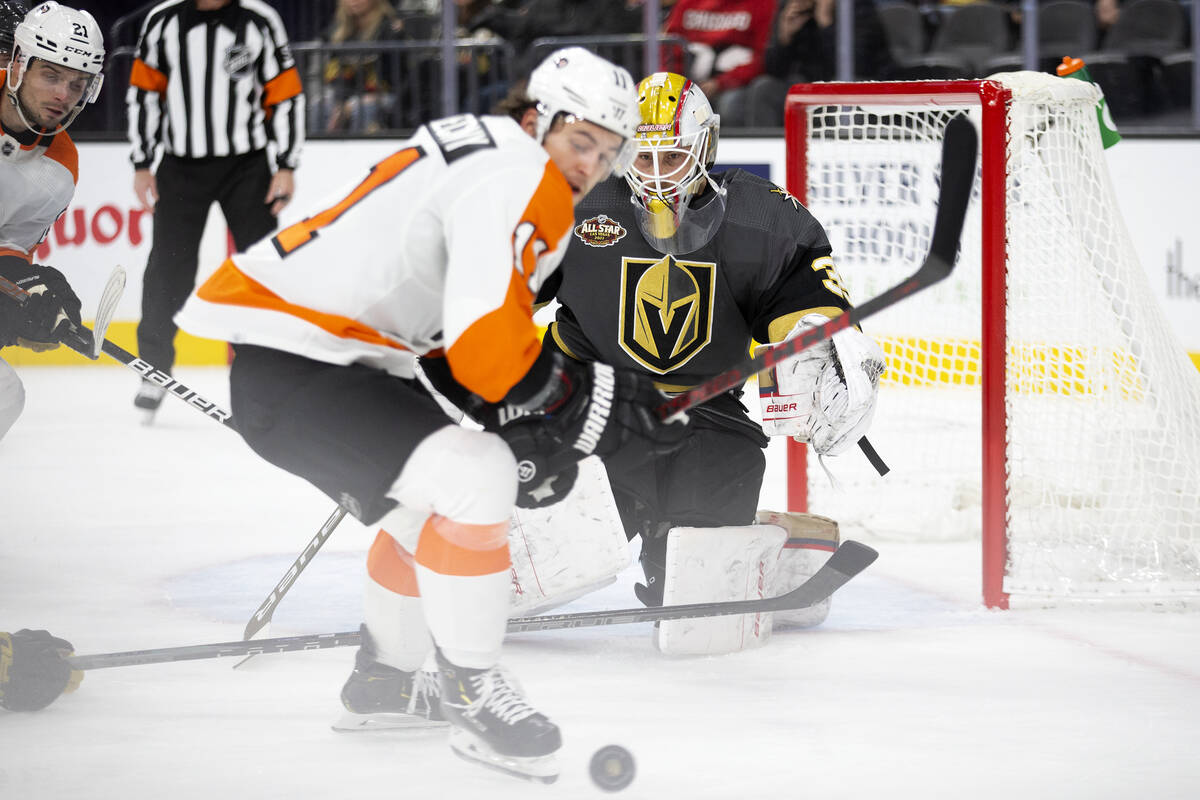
(826, 395)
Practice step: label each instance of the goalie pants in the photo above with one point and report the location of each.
(713, 480)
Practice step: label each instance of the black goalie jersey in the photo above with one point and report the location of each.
(686, 318)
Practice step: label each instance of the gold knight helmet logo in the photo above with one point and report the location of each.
(666, 310)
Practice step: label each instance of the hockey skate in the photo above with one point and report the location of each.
(494, 725)
(379, 697)
(148, 398)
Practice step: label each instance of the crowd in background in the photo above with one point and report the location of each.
(744, 53)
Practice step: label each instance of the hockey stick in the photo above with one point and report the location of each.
(847, 561)
(91, 344)
(86, 344)
(958, 174)
(262, 616)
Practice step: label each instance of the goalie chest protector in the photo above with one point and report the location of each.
(693, 315)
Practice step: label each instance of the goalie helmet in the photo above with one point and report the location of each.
(676, 147)
(62, 36)
(582, 85)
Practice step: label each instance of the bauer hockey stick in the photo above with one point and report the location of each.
(81, 340)
(958, 174)
(848, 560)
(91, 343)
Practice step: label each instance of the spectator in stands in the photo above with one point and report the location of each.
(355, 93)
(803, 49)
(726, 43)
(534, 19)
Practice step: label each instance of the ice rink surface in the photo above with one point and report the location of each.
(123, 537)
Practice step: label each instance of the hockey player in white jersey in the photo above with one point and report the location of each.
(54, 71)
(437, 251)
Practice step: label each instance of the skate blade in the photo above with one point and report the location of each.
(349, 722)
(539, 769)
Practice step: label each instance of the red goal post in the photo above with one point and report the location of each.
(1051, 404)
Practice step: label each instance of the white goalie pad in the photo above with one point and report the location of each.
(706, 565)
(566, 550)
(811, 540)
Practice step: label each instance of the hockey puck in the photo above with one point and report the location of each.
(612, 768)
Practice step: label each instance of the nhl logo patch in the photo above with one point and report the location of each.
(601, 231)
(239, 61)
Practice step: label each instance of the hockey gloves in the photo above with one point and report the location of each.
(50, 309)
(826, 394)
(596, 410)
(34, 670)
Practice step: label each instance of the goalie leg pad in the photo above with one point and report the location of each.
(718, 565)
(566, 550)
(811, 541)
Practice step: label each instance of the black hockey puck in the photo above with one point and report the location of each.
(612, 768)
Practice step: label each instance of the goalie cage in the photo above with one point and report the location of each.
(1037, 398)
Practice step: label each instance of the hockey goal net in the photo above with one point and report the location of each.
(1037, 398)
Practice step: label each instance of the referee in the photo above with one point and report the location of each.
(213, 83)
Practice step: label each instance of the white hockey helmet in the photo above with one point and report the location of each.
(63, 36)
(676, 147)
(581, 84)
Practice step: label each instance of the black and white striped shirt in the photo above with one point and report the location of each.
(214, 83)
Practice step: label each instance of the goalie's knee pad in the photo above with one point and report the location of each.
(464, 475)
(812, 539)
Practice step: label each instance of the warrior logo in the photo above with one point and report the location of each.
(666, 310)
(600, 231)
(238, 61)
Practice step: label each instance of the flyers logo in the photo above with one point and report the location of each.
(666, 310)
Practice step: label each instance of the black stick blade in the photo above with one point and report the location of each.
(958, 175)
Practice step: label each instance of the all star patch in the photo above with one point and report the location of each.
(601, 231)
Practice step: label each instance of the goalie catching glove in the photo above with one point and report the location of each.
(34, 670)
(826, 394)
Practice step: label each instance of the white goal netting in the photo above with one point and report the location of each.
(1101, 403)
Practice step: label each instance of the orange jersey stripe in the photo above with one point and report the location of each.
(62, 150)
(455, 548)
(144, 76)
(283, 86)
(391, 566)
(4, 251)
(230, 286)
(496, 351)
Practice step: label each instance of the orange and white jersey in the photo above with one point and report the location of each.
(37, 181)
(440, 246)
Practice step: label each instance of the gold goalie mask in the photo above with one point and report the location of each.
(676, 142)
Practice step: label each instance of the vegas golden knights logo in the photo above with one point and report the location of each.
(666, 310)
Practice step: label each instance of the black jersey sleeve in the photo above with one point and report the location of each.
(800, 276)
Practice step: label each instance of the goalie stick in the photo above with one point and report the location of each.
(848, 560)
(958, 174)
